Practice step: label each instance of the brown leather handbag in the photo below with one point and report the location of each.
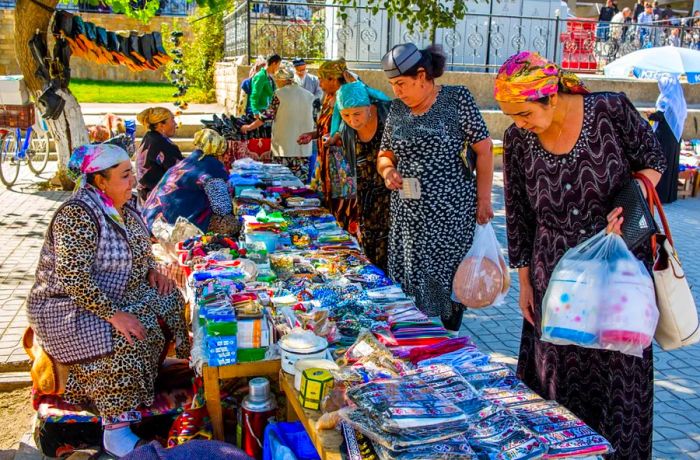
(48, 375)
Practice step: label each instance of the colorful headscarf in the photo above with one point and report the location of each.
(285, 72)
(357, 94)
(153, 116)
(527, 76)
(210, 142)
(89, 159)
(332, 69)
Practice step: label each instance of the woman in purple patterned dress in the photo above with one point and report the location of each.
(567, 155)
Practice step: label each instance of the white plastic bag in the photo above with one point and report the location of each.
(482, 278)
(600, 296)
(169, 235)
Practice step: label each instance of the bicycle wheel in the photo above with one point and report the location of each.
(38, 152)
(9, 164)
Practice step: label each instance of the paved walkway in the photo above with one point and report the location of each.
(26, 212)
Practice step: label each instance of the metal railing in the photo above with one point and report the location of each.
(167, 7)
(482, 41)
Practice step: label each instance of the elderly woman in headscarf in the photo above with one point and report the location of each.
(157, 153)
(567, 155)
(197, 189)
(669, 119)
(364, 112)
(332, 75)
(99, 305)
(291, 113)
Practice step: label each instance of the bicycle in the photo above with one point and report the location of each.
(32, 148)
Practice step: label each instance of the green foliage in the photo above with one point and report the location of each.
(120, 91)
(200, 52)
(144, 10)
(416, 15)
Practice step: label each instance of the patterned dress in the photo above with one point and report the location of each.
(123, 378)
(344, 209)
(429, 236)
(554, 202)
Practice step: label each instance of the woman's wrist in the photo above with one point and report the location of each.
(386, 170)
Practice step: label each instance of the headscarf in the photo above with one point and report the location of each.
(153, 116)
(210, 142)
(357, 94)
(255, 68)
(672, 103)
(285, 72)
(527, 76)
(332, 69)
(89, 159)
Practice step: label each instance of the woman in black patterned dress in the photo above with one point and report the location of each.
(566, 157)
(428, 128)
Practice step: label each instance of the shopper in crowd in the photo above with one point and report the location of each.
(656, 10)
(364, 115)
(436, 200)
(674, 37)
(263, 85)
(669, 119)
(291, 113)
(645, 18)
(157, 153)
(243, 106)
(638, 9)
(98, 298)
(606, 14)
(332, 74)
(196, 189)
(567, 155)
(617, 28)
(306, 80)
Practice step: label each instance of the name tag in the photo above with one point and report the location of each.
(410, 189)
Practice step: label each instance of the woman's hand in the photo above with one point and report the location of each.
(305, 138)
(393, 179)
(246, 128)
(328, 141)
(484, 211)
(128, 325)
(527, 301)
(615, 220)
(160, 282)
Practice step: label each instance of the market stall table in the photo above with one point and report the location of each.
(212, 390)
(327, 442)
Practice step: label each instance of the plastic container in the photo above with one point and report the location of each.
(270, 239)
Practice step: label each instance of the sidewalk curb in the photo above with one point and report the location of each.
(13, 380)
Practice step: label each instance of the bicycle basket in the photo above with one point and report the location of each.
(17, 116)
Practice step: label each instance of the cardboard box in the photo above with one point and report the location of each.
(13, 90)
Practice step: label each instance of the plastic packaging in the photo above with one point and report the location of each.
(600, 296)
(482, 278)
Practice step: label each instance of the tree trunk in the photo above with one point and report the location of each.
(69, 129)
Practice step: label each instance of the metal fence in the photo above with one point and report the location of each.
(167, 7)
(481, 41)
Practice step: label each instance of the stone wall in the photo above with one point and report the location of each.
(642, 93)
(82, 68)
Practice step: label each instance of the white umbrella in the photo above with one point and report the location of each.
(651, 62)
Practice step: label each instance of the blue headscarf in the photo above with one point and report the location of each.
(672, 103)
(354, 94)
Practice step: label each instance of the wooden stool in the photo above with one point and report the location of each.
(686, 183)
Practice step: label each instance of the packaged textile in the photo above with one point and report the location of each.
(600, 296)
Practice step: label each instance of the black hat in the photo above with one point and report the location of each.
(296, 62)
(400, 59)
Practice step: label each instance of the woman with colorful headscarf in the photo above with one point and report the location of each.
(364, 116)
(196, 188)
(157, 153)
(98, 300)
(331, 76)
(291, 113)
(567, 156)
(669, 119)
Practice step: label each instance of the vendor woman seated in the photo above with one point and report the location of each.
(196, 189)
(99, 306)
